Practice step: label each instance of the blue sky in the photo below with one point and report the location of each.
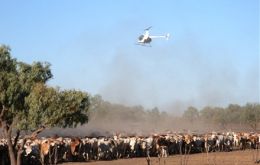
(212, 57)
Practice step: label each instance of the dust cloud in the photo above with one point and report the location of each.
(172, 78)
(180, 74)
(113, 119)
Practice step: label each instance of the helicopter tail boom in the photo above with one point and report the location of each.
(162, 36)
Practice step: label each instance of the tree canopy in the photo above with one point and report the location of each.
(26, 99)
(28, 103)
(191, 114)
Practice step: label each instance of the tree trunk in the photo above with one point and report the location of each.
(15, 158)
(8, 136)
(20, 151)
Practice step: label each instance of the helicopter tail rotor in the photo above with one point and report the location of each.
(167, 36)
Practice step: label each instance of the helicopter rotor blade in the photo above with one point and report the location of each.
(148, 28)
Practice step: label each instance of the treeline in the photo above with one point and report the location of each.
(234, 114)
(112, 118)
(135, 119)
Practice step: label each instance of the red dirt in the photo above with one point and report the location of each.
(219, 158)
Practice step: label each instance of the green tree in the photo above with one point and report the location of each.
(27, 103)
(191, 114)
(251, 115)
(220, 117)
(207, 114)
(154, 116)
(234, 112)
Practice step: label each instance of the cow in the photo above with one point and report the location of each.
(92, 152)
(236, 137)
(52, 151)
(31, 152)
(86, 151)
(210, 143)
(199, 144)
(45, 146)
(74, 147)
(228, 143)
(106, 149)
(4, 156)
(220, 140)
(133, 146)
(172, 145)
(161, 146)
(141, 147)
(123, 148)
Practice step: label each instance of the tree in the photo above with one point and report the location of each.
(221, 117)
(191, 114)
(208, 114)
(251, 115)
(27, 103)
(234, 113)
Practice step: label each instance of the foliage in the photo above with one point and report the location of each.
(251, 115)
(234, 113)
(191, 114)
(207, 114)
(30, 102)
(248, 114)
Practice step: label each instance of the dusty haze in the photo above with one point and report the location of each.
(179, 75)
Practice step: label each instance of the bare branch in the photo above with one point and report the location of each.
(35, 133)
(4, 109)
(4, 127)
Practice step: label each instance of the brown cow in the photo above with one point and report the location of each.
(74, 149)
(44, 150)
(50, 151)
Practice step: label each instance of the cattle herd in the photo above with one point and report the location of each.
(62, 149)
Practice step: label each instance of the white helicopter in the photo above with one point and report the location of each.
(146, 38)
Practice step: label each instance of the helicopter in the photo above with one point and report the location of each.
(146, 39)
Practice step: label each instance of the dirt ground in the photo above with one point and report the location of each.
(247, 157)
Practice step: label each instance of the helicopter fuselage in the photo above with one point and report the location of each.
(144, 39)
